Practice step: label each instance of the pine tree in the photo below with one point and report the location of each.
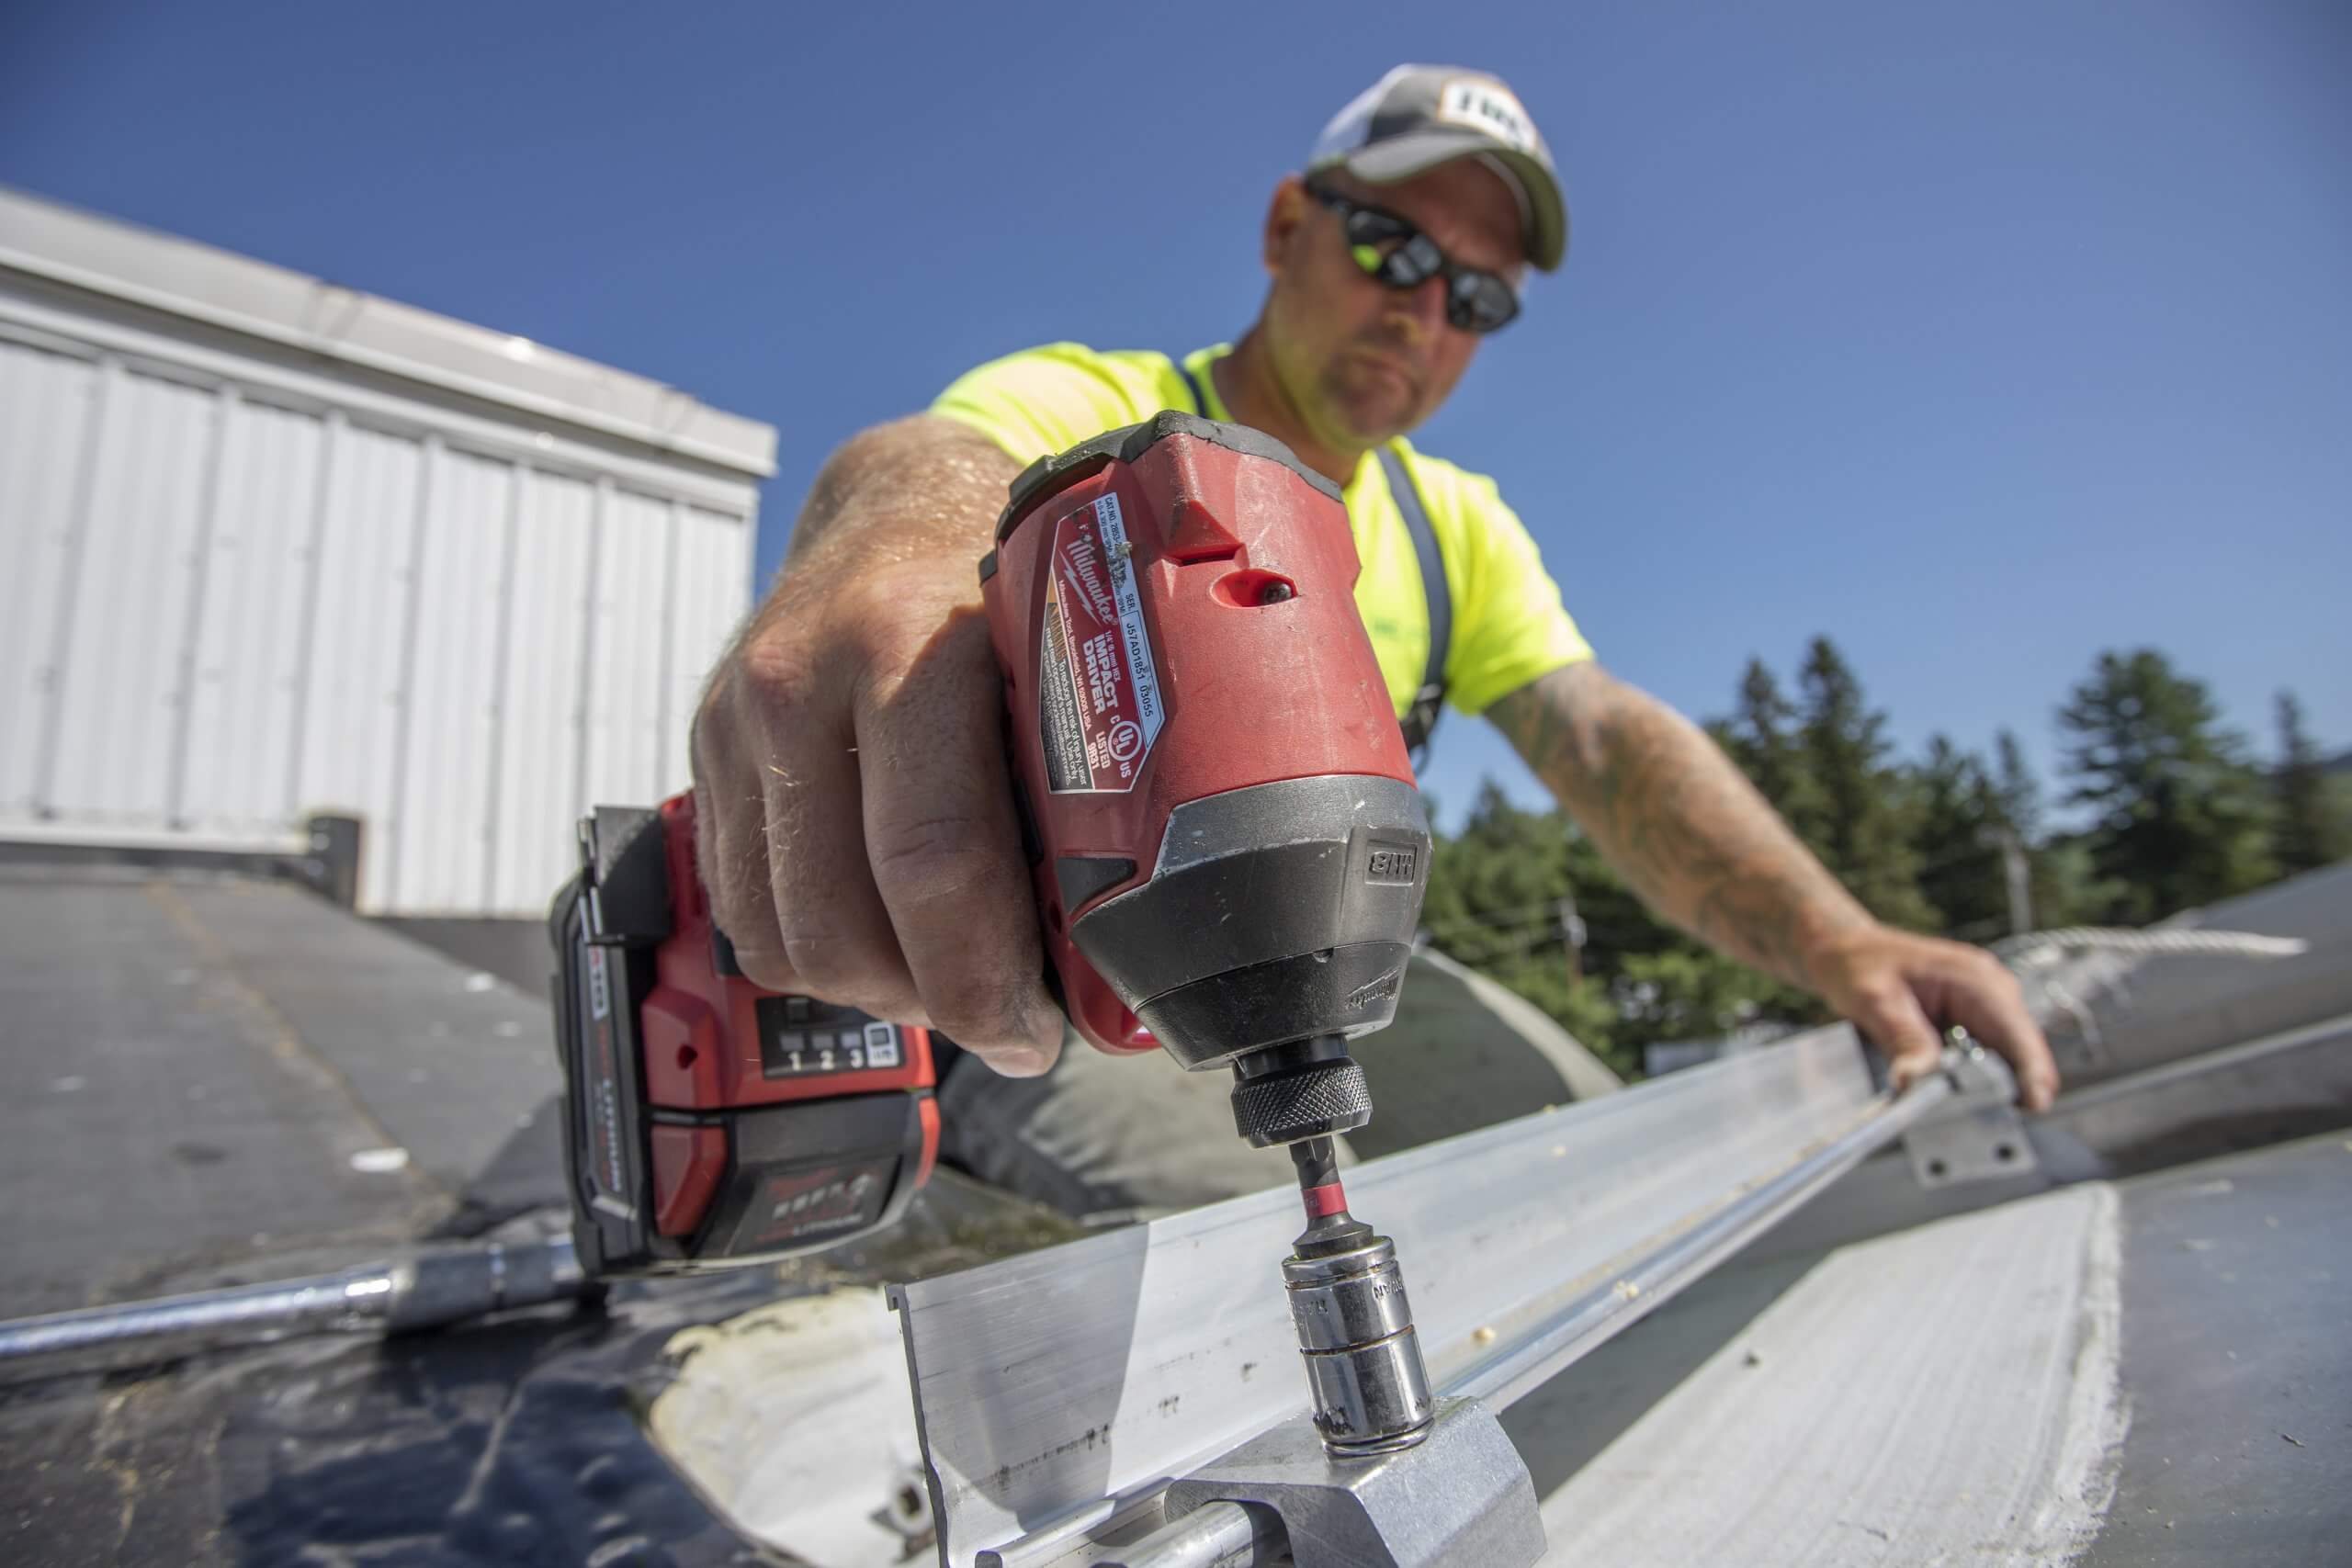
(1495, 899)
(2309, 831)
(1496, 879)
(1760, 738)
(2062, 889)
(1495, 902)
(1855, 815)
(2180, 816)
(2020, 795)
(1960, 815)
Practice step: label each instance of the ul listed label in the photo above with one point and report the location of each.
(1098, 690)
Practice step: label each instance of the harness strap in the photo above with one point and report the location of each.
(1420, 718)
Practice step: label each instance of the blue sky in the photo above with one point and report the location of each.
(1979, 337)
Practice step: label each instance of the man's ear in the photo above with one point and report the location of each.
(1286, 217)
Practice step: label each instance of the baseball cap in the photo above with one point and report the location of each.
(1417, 117)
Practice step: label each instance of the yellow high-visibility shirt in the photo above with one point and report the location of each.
(1509, 624)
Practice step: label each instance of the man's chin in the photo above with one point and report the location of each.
(1373, 411)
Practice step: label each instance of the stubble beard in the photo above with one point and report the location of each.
(1369, 405)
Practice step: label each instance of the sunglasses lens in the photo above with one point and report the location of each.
(1368, 227)
(1480, 302)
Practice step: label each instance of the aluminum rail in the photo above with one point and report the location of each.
(1219, 1535)
(1060, 1392)
(1520, 1367)
(426, 1291)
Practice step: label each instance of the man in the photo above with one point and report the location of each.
(848, 754)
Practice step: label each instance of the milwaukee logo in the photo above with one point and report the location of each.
(795, 1207)
(816, 1202)
(1379, 990)
(1082, 570)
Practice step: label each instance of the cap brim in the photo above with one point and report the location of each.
(1397, 158)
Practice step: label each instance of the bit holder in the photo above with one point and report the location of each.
(1365, 1374)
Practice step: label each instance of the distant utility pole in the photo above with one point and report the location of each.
(2017, 873)
(1572, 933)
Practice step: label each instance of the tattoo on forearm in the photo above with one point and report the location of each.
(1677, 819)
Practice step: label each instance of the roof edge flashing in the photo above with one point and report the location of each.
(177, 276)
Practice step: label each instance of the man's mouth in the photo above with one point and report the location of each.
(1388, 365)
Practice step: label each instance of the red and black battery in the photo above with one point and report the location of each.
(710, 1123)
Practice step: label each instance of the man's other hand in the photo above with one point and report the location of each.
(859, 839)
(1901, 990)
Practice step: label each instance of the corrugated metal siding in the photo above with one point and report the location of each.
(123, 677)
(442, 832)
(544, 700)
(247, 592)
(354, 706)
(627, 681)
(45, 402)
(713, 571)
(249, 652)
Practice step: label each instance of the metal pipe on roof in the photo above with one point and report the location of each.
(428, 1289)
(1216, 1535)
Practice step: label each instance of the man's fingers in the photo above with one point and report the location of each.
(837, 935)
(1986, 1002)
(1892, 1017)
(731, 851)
(945, 852)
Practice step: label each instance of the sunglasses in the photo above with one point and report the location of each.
(1395, 252)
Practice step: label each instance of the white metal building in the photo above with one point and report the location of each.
(269, 546)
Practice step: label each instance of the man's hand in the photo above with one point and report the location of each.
(1692, 837)
(1901, 990)
(858, 836)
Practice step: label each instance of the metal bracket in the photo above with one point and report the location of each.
(1461, 1496)
(1981, 1137)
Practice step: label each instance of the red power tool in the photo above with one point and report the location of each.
(710, 1123)
(1229, 847)
(1229, 850)
(1230, 857)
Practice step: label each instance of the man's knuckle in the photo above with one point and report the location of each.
(874, 597)
(1881, 991)
(1994, 976)
(779, 672)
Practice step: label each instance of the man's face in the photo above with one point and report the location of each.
(1360, 361)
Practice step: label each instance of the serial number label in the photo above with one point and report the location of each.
(1391, 865)
(798, 1042)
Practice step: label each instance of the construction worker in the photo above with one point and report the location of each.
(849, 758)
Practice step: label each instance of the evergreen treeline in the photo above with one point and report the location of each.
(2169, 808)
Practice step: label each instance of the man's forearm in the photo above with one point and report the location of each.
(1678, 821)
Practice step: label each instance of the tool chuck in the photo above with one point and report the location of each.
(1365, 1374)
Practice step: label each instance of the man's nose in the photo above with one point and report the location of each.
(1422, 307)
